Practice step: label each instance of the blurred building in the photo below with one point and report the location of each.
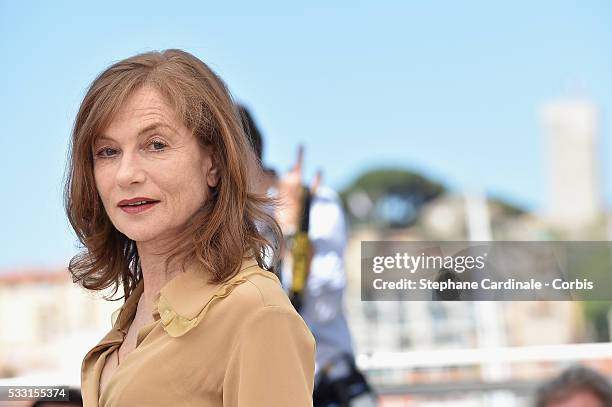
(414, 327)
(392, 326)
(571, 128)
(48, 324)
(427, 325)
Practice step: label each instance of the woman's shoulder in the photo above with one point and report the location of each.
(258, 300)
(188, 301)
(257, 288)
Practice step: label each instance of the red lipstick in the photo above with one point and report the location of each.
(137, 205)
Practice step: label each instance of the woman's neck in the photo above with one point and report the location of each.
(154, 275)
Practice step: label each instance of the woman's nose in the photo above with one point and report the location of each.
(130, 170)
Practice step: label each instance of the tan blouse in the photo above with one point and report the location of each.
(238, 344)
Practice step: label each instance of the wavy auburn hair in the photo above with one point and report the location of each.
(224, 231)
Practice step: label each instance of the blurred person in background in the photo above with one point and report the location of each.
(338, 382)
(160, 192)
(575, 387)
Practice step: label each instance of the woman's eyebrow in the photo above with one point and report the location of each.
(144, 130)
(156, 126)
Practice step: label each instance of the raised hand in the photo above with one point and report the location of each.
(290, 193)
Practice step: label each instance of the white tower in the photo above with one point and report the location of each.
(571, 143)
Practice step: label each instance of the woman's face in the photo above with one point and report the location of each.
(147, 152)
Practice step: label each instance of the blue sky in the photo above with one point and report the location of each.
(451, 89)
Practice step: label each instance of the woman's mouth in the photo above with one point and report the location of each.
(138, 206)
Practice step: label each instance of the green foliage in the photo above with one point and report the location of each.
(377, 183)
(395, 195)
(596, 315)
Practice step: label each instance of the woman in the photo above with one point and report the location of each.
(159, 192)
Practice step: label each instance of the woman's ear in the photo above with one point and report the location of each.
(212, 173)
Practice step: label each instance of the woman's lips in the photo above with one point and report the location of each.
(138, 208)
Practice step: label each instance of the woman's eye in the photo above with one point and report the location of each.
(106, 152)
(158, 145)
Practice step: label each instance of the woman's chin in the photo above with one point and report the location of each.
(139, 236)
(151, 238)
